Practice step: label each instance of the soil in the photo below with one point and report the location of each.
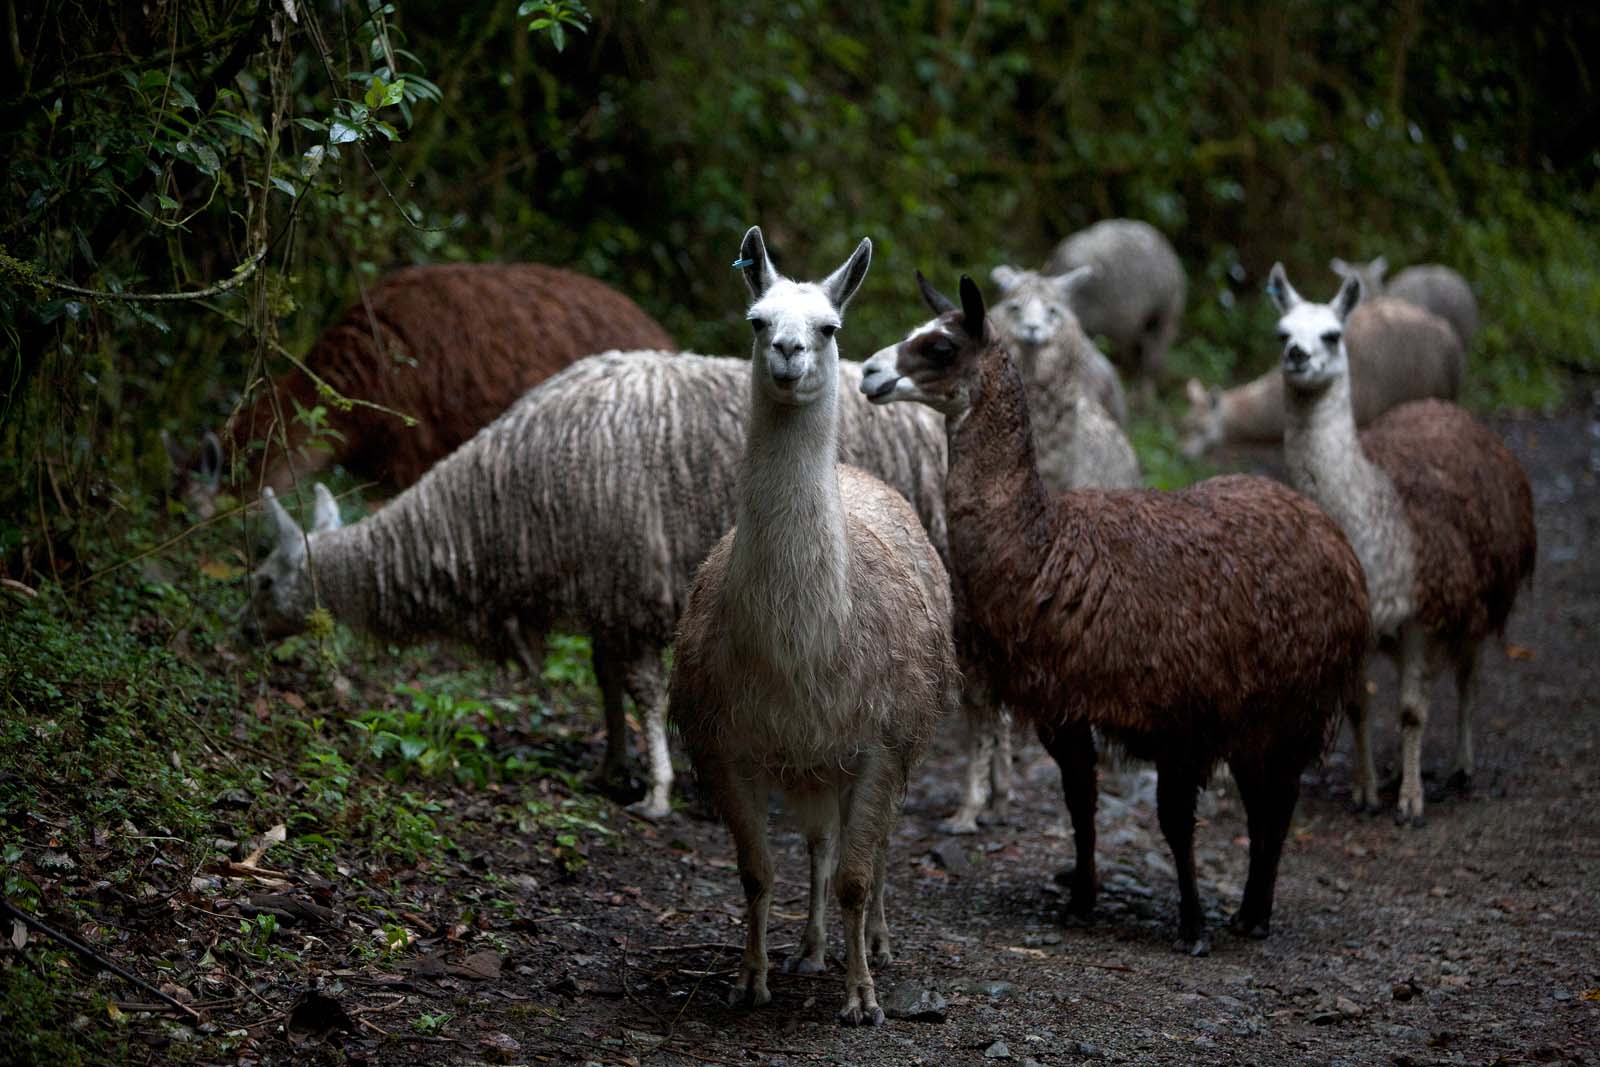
(1472, 940)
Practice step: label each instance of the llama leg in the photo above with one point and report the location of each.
(743, 802)
(1466, 674)
(1071, 745)
(869, 810)
(1269, 790)
(608, 672)
(1364, 791)
(818, 815)
(1413, 720)
(879, 951)
(647, 686)
(980, 753)
(1176, 786)
(1000, 774)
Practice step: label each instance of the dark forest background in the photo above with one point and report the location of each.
(156, 147)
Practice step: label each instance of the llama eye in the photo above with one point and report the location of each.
(1331, 338)
(941, 352)
(264, 583)
(1013, 307)
(758, 325)
(829, 330)
(1283, 336)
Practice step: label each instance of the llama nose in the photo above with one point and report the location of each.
(788, 349)
(1295, 357)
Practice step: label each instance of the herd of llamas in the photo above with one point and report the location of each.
(842, 554)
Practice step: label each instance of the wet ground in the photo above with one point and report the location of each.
(1474, 940)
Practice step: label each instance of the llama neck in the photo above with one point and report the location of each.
(993, 492)
(789, 565)
(345, 573)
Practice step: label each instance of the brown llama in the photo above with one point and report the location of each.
(1225, 621)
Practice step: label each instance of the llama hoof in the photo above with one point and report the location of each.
(958, 824)
(1460, 782)
(1416, 822)
(649, 811)
(805, 965)
(1357, 806)
(879, 954)
(861, 1015)
(1063, 876)
(1196, 946)
(750, 993)
(1255, 929)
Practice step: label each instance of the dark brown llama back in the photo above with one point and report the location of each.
(450, 345)
(1470, 509)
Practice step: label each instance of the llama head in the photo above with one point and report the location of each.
(1202, 429)
(794, 358)
(937, 363)
(1371, 273)
(281, 594)
(1034, 308)
(196, 473)
(1312, 335)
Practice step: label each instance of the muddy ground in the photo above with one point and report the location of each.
(1472, 940)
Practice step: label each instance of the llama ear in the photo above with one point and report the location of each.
(1196, 393)
(1340, 267)
(290, 539)
(176, 457)
(1070, 282)
(209, 467)
(757, 268)
(1280, 290)
(1348, 297)
(326, 513)
(1378, 268)
(972, 309)
(842, 284)
(1005, 278)
(937, 301)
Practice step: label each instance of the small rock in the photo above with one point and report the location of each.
(997, 1051)
(1404, 991)
(909, 1000)
(1347, 1007)
(1087, 1049)
(951, 856)
(985, 987)
(499, 1048)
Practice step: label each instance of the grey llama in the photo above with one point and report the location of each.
(1135, 297)
(1439, 513)
(1430, 286)
(1047, 339)
(588, 504)
(1079, 444)
(1398, 352)
(815, 656)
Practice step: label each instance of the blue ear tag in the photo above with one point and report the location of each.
(741, 264)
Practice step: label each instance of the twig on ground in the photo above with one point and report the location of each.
(84, 950)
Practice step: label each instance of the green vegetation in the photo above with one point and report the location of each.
(250, 171)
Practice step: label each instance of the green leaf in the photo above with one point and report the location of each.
(166, 201)
(343, 134)
(375, 93)
(395, 93)
(558, 36)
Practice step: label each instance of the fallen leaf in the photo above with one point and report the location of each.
(275, 836)
(1518, 652)
(19, 935)
(1590, 994)
(221, 571)
(499, 1048)
(294, 700)
(481, 966)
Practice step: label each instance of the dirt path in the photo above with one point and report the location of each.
(1473, 940)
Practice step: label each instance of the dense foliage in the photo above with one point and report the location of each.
(164, 147)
